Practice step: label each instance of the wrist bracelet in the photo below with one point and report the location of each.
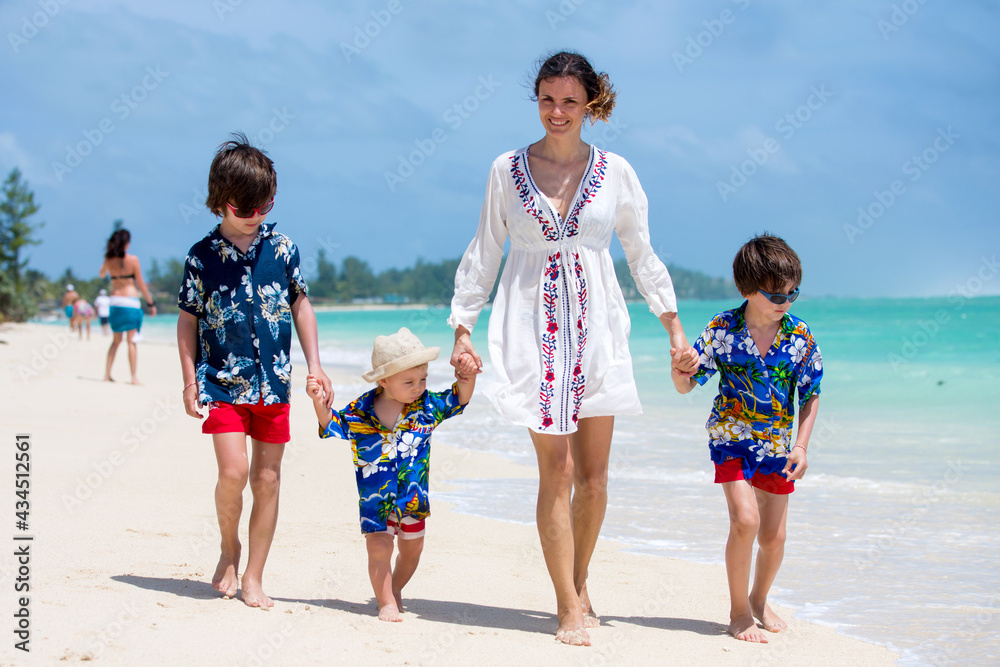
(189, 385)
(802, 447)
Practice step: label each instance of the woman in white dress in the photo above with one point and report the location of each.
(558, 333)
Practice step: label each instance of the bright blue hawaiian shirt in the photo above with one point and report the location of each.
(243, 304)
(755, 408)
(392, 465)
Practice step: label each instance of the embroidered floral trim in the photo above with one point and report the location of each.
(572, 226)
(550, 232)
(550, 294)
(579, 379)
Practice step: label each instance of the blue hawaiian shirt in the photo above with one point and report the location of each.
(243, 304)
(392, 465)
(753, 413)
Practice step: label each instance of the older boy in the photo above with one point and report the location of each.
(763, 355)
(390, 428)
(242, 290)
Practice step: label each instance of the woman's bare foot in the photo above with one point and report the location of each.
(227, 576)
(389, 612)
(768, 619)
(399, 601)
(744, 629)
(571, 630)
(253, 594)
(590, 617)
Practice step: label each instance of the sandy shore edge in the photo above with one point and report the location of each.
(125, 543)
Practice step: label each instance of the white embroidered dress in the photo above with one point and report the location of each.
(559, 329)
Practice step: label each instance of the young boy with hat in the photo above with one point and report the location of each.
(390, 430)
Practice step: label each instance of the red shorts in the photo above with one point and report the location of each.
(732, 471)
(267, 423)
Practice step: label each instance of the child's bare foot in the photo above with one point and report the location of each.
(253, 594)
(744, 629)
(389, 612)
(768, 619)
(226, 578)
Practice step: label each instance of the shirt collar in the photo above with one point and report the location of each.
(266, 231)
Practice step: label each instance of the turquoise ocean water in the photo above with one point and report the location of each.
(894, 535)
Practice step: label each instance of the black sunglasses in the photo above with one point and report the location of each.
(778, 299)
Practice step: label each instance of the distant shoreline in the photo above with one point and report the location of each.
(342, 307)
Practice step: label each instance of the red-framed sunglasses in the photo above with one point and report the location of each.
(263, 210)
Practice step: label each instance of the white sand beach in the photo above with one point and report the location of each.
(126, 540)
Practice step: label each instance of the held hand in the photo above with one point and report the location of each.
(796, 465)
(152, 311)
(684, 361)
(191, 401)
(319, 386)
(466, 366)
(463, 347)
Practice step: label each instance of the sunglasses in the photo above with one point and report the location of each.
(778, 299)
(263, 210)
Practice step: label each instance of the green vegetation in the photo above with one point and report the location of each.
(17, 230)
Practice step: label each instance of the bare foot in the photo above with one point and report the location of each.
(389, 612)
(768, 619)
(107, 378)
(253, 594)
(226, 577)
(573, 636)
(136, 382)
(571, 630)
(590, 617)
(744, 629)
(399, 601)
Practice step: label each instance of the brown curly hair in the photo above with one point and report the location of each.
(600, 93)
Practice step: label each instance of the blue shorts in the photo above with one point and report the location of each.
(69, 311)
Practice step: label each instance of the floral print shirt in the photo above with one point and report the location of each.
(243, 302)
(755, 407)
(392, 465)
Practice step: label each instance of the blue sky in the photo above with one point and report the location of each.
(383, 118)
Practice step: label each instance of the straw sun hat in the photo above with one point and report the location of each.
(397, 353)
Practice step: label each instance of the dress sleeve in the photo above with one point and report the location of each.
(477, 271)
(191, 298)
(632, 228)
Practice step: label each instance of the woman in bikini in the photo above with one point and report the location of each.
(126, 310)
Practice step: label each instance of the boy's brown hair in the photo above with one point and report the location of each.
(240, 174)
(767, 263)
